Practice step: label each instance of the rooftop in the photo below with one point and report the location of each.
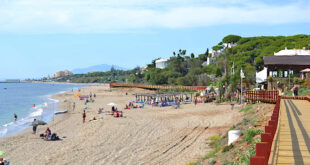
(292, 52)
(287, 60)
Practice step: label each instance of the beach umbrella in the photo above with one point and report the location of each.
(77, 95)
(38, 122)
(111, 104)
(2, 153)
(306, 70)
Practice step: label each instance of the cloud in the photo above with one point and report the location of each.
(94, 16)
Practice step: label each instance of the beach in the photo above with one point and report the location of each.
(143, 136)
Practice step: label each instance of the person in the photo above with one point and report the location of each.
(117, 114)
(34, 127)
(296, 91)
(84, 116)
(94, 95)
(73, 106)
(99, 111)
(47, 133)
(1, 161)
(195, 101)
(15, 117)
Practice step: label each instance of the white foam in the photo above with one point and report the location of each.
(3, 131)
(36, 113)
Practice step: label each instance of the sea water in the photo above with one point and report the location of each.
(19, 98)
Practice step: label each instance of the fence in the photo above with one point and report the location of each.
(263, 149)
(144, 86)
(262, 96)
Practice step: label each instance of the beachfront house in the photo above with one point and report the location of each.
(214, 54)
(287, 62)
(162, 63)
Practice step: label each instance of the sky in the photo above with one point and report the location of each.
(40, 37)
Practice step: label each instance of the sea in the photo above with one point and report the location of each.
(20, 98)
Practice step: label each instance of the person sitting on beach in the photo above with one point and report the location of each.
(47, 133)
(1, 161)
(117, 114)
(99, 111)
(121, 113)
(93, 119)
(94, 95)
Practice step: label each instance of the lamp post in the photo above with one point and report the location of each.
(242, 76)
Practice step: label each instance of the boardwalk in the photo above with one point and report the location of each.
(293, 138)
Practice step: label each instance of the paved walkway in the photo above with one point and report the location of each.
(294, 135)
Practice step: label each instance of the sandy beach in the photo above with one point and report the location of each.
(143, 136)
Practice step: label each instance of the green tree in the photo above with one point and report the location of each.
(231, 39)
(192, 55)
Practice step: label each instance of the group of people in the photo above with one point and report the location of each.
(4, 162)
(131, 105)
(115, 112)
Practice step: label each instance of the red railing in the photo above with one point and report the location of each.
(263, 149)
(261, 96)
(144, 86)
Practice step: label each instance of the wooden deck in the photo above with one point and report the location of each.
(293, 140)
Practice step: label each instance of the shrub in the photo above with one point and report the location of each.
(250, 134)
(227, 148)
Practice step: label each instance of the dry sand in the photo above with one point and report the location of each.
(143, 136)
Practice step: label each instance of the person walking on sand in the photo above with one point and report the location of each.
(34, 127)
(84, 116)
(15, 117)
(73, 106)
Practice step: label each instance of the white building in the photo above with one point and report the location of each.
(143, 69)
(161, 63)
(229, 45)
(261, 76)
(293, 52)
(216, 53)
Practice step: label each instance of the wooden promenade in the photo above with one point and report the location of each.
(157, 87)
(293, 137)
(286, 139)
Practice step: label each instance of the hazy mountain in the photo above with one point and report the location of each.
(101, 68)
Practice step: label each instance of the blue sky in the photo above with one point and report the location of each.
(40, 37)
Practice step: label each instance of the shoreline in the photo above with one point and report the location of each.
(54, 82)
(45, 105)
(139, 137)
